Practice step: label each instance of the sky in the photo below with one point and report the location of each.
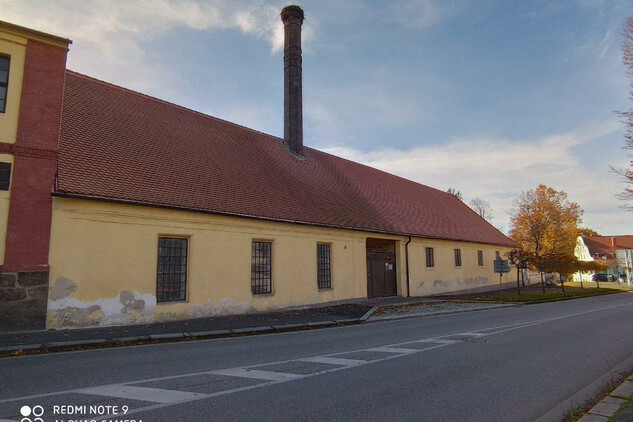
(490, 97)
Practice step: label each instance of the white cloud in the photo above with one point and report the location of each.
(498, 169)
(117, 30)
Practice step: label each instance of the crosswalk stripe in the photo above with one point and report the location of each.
(333, 361)
(140, 393)
(399, 350)
(257, 374)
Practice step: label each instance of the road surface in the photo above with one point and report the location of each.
(522, 363)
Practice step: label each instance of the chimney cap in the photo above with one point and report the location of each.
(291, 11)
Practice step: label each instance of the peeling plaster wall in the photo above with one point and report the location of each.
(66, 311)
(104, 256)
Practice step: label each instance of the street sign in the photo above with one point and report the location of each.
(501, 266)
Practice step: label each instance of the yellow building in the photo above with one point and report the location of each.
(163, 213)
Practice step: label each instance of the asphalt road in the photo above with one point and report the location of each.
(523, 363)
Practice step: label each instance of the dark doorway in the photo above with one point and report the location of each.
(381, 268)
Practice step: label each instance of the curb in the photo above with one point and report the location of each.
(609, 406)
(454, 311)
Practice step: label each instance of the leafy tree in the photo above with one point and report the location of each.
(456, 193)
(627, 173)
(584, 231)
(482, 207)
(545, 224)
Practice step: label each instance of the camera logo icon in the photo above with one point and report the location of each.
(32, 414)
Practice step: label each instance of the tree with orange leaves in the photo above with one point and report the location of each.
(545, 223)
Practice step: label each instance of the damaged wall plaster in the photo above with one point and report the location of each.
(66, 312)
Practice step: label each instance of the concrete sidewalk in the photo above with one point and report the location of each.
(616, 407)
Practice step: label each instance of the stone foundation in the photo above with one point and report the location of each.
(23, 298)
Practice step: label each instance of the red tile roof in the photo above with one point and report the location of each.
(605, 244)
(117, 144)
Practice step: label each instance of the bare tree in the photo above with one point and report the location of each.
(456, 193)
(482, 207)
(626, 194)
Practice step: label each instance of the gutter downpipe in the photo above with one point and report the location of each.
(406, 258)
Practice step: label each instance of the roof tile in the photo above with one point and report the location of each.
(121, 145)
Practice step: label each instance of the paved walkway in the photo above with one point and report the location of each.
(282, 320)
(616, 407)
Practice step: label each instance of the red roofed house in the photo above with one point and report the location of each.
(119, 208)
(617, 251)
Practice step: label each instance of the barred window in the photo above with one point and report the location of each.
(430, 262)
(480, 258)
(4, 82)
(261, 268)
(171, 283)
(458, 257)
(5, 176)
(324, 268)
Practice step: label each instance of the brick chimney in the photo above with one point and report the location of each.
(292, 17)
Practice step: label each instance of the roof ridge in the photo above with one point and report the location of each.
(168, 103)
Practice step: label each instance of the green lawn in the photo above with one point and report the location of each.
(533, 293)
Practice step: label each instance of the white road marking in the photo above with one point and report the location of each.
(437, 340)
(140, 393)
(332, 361)
(398, 350)
(254, 373)
(473, 334)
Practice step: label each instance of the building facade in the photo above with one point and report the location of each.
(122, 208)
(615, 251)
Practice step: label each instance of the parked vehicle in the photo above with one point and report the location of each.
(602, 277)
(605, 277)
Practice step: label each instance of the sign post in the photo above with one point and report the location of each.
(501, 266)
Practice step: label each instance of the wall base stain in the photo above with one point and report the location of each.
(127, 308)
(224, 306)
(437, 286)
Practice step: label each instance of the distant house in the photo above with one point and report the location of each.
(119, 208)
(616, 251)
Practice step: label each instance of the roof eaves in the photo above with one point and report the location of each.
(271, 219)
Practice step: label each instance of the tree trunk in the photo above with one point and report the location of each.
(562, 284)
(518, 286)
(542, 282)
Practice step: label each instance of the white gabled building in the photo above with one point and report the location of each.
(617, 250)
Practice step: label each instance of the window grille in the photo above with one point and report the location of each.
(171, 284)
(261, 268)
(430, 262)
(4, 82)
(5, 176)
(324, 269)
(480, 258)
(458, 257)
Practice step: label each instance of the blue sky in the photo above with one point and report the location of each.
(491, 97)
